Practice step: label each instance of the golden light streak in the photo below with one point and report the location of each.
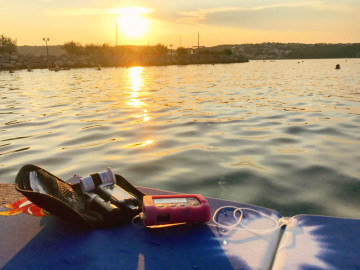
(139, 144)
(134, 76)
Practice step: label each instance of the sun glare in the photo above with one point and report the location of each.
(131, 22)
(134, 76)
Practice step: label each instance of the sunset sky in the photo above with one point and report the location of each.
(143, 22)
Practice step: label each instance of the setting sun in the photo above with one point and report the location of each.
(132, 24)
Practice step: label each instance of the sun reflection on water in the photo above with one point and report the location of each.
(135, 79)
(135, 76)
(139, 144)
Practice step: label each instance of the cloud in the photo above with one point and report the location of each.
(234, 13)
(196, 16)
(97, 11)
(315, 5)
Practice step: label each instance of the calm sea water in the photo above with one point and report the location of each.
(283, 134)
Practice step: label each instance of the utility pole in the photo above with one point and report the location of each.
(198, 40)
(47, 49)
(171, 49)
(116, 35)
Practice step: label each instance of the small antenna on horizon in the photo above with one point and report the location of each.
(116, 34)
(198, 40)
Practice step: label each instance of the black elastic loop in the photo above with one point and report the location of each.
(96, 178)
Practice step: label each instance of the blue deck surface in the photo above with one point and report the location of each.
(308, 242)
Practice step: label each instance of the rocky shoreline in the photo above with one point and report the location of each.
(18, 61)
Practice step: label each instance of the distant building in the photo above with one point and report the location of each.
(196, 49)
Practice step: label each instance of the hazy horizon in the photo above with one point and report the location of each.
(228, 44)
(144, 22)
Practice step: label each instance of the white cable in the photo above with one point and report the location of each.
(239, 219)
(133, 221)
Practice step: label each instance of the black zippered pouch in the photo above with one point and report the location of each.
(68, 202)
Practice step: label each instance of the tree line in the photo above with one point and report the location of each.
(7, 45)
(325, 51)
(301, 51)
(273, 50)
(76, 48)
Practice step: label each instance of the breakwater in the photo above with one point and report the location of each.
(18, 61)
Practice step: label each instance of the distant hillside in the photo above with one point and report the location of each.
(294, 50)
(249, 51)
(40, 50)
